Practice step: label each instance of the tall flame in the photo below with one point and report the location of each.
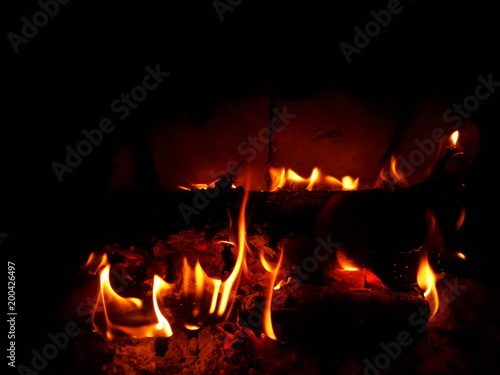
(242, 244)
(454, 138)
(426, 279)
(159, 285)
(202, 295)
(267, 320)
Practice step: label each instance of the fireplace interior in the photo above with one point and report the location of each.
(269, 208)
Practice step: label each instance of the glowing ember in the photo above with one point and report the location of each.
(426, 280)
(191, 327)
(282, 178)
(345, 263)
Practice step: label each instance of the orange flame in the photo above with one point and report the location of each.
(461, 255)
(426, 279)
(461, 219)
(281, 283)
(114, 305)
(349, 184)
(345, 263)
(115, 315)
(393, 175)
(267, 320)
(95, 263)
(201, 186)
(287, 178)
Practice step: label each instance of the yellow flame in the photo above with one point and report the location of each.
(426, 279)
(211, 185)
(461, 255)
(229, 282)
(288, 178)
(110, 300)
(281, 283)
(191, 327)
(267, 320)
(345, 263)
(159, 285)
(454, 138)
(348, 183)
(203, 294)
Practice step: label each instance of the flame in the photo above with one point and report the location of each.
(116, 306)
(454, 138)
(95, 262)
(267, 320)
(393, 175)
(197, 294)
(461, 219)
(426, 279)
(191, 327)
(345, 263)
(281, 283)
(211, 185)
(281, 178)
(159, 285)
(242, 245)
(461, 255)
(349, 184)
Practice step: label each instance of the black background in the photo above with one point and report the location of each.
(64, 79)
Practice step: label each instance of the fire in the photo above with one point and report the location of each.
(461, 219)
(281, 283)
(94, 263)
(114, 306)
(426, 279)
(202, 295)
(461, 255)
(211, 185)
(345, 263)
(349, 184)
(454, 138)
(267, 320)
(393, 175)
(282, 178)
(159, 285)
(242, 245)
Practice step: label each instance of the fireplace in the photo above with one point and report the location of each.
(260, 268)
(305, 189)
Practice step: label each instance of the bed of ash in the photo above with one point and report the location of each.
(241, 347)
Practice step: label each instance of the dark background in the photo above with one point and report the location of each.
(65, 78)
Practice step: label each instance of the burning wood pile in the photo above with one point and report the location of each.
(257, 297)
